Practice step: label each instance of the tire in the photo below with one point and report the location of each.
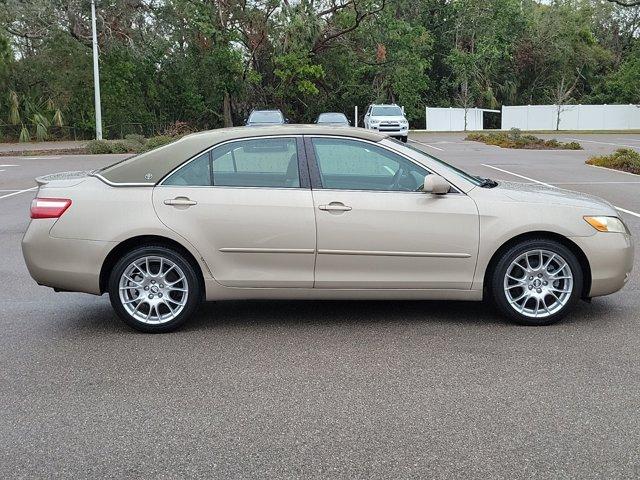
(166, 300)
(537, 293)
(404, 139)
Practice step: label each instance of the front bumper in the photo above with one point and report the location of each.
(392, 130)
(610, 257)
(61, 263)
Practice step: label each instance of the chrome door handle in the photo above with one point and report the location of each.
(180, 201)
(335, 207)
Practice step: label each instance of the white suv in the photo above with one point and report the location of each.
(387, 119)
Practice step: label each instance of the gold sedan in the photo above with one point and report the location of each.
(313, 212)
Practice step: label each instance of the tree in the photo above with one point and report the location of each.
(209, 62)
(562, 95)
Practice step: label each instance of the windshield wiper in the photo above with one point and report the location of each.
(487, 182)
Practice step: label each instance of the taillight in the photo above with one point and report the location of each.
(49, 207)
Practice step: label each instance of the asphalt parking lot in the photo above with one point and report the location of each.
(322, 389)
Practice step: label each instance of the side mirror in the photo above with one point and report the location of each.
(435, 184)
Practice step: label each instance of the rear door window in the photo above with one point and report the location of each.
(261, 162)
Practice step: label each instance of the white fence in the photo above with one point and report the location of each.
(572, 117)
(452, 119)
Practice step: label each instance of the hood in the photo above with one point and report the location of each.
(388, 118)
(536, 193)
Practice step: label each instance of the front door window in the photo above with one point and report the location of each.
(354, 165)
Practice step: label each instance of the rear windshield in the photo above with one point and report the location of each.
(386, 111)
(265, 117)
(332, 118)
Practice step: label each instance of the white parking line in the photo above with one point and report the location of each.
(628, 211)
(40, 158)
(594, 183)
(605, 143)
(9, 166)
(427, 145)
(18, 192)
(635, 214)
(517, 175)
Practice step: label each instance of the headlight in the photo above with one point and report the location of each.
(404, 122)
(374, 122)
(607, 224)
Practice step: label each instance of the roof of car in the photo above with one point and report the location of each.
(150, 167)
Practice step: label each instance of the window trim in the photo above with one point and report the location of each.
(303, 169)
(316, 178)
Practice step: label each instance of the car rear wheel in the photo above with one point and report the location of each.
(154, 289)
(537, 282)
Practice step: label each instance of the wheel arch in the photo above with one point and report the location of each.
(546, 235)
(149, 240)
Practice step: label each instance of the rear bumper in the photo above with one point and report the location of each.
(610, 257)
(61, 263)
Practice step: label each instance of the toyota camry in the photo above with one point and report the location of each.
(316, 212)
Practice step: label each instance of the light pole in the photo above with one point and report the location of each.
(96, 74)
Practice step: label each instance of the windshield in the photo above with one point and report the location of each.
(456, 171)
(386, 111)
(266, 116)
(332, 118)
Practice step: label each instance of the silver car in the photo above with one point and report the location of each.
(259, 118)
(311, 212)
(333, 118)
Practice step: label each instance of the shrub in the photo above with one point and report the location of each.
(131, 144)
(98, 147)
(134, 143)
(623, 159)
(477, 137)
(515, 133)
(515, 139)
(24, 135)
(178, 129)
(158, 141)
(135, 138)
(120, 147)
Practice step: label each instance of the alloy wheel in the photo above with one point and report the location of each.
(153, 290)
(538, 283)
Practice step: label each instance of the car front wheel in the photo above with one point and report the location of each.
(154, 289)
(537, 282)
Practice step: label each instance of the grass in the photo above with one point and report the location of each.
(623, 159)
(514, 138)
